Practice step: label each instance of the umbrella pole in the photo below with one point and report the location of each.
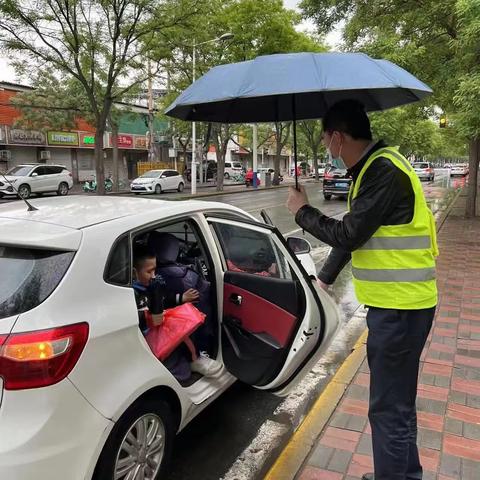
(295, 161)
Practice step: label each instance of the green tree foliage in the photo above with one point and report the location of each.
(95, 46)
(435, 40)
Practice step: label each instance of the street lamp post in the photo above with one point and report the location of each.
(222, 38)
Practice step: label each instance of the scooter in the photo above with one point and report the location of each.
(91, 186)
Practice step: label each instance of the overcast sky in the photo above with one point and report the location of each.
(8, 75)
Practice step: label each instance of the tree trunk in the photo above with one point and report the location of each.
(99, 160)
(315, 164)
(276, 162)
(115, 156)
(474, 159)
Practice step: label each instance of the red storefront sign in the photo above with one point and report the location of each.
(125, 141)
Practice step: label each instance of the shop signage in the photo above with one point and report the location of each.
(63, 138)
(87, 140)
(140, 142)
(25, 137)
(125, 141)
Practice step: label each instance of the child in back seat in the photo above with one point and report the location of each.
(152, 298)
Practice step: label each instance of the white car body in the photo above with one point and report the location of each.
(458, 169)
(58, 431)
(321, 170)
(158, 181)
(232, 169)
(36, 178)
(424, 170)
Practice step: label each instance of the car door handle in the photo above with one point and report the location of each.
(236, 299)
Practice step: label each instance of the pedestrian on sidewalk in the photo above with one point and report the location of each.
(389, 235)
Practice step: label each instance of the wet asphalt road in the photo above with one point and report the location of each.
(208, 447)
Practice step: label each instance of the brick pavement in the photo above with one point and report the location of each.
(449, 384)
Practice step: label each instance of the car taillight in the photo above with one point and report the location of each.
(69, 174)
(327, 175)
(40, 358)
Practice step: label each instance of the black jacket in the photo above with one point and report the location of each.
(385, 197)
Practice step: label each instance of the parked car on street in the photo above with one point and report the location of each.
(459, 169)
(38, 178)
(424, 171)
(321, 170)
(233, 169)
(210, 174)
(158, 181)
(82, 397)
(336, 181)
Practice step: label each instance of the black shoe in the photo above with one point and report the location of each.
(368, 476)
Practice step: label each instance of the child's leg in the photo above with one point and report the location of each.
(191, 347)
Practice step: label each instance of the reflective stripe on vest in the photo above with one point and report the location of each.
(397, 243)
(395, 268)
(395, 275)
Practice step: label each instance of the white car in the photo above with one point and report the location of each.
(23, 180)
(321, 170)
(459, 169)
(424, 170)
(232, 169)
(81, 394)
(158, 181)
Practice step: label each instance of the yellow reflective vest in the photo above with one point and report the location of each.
(395, 268)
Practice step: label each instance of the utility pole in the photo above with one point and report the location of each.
(151, 149)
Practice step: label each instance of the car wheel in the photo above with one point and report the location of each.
(158, 189)
(226, 175)
(181, 186)
(62, 189)
(327, 196)
(140, 444)
(24, 191)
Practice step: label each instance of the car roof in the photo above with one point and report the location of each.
(82, 211)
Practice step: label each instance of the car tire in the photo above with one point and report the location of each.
(151, 413)
(181, 186)
(24, 191)
(62, 189)
(226, 176)
(327, 196)
(158, 189)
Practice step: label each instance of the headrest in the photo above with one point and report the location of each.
(165, 245)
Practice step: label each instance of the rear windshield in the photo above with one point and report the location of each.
(28, 277)
(421, 165)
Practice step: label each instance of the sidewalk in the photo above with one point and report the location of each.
(449, 384)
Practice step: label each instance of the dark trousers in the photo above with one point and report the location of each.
(395, 342)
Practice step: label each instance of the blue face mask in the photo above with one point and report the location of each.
(338, 161)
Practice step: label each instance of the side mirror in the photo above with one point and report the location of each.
(299, 245)
(34, 174)
(163, 176)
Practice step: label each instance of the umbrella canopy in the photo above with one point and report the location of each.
(296, 86)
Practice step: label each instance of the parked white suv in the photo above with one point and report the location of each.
(232, 169)
(81, 394)
(158, 181)
(35, 178)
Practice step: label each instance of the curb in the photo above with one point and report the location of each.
(303, 440)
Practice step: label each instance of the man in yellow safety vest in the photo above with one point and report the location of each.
(389, 235)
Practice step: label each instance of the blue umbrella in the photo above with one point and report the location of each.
(295, 86)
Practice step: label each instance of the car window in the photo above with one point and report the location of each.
(19, 171)
(250, 251)
(50, 170)
(118, 268)
(40, 171)
(228, 165)
(420, 165)
(173, 173)
(28, 277)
